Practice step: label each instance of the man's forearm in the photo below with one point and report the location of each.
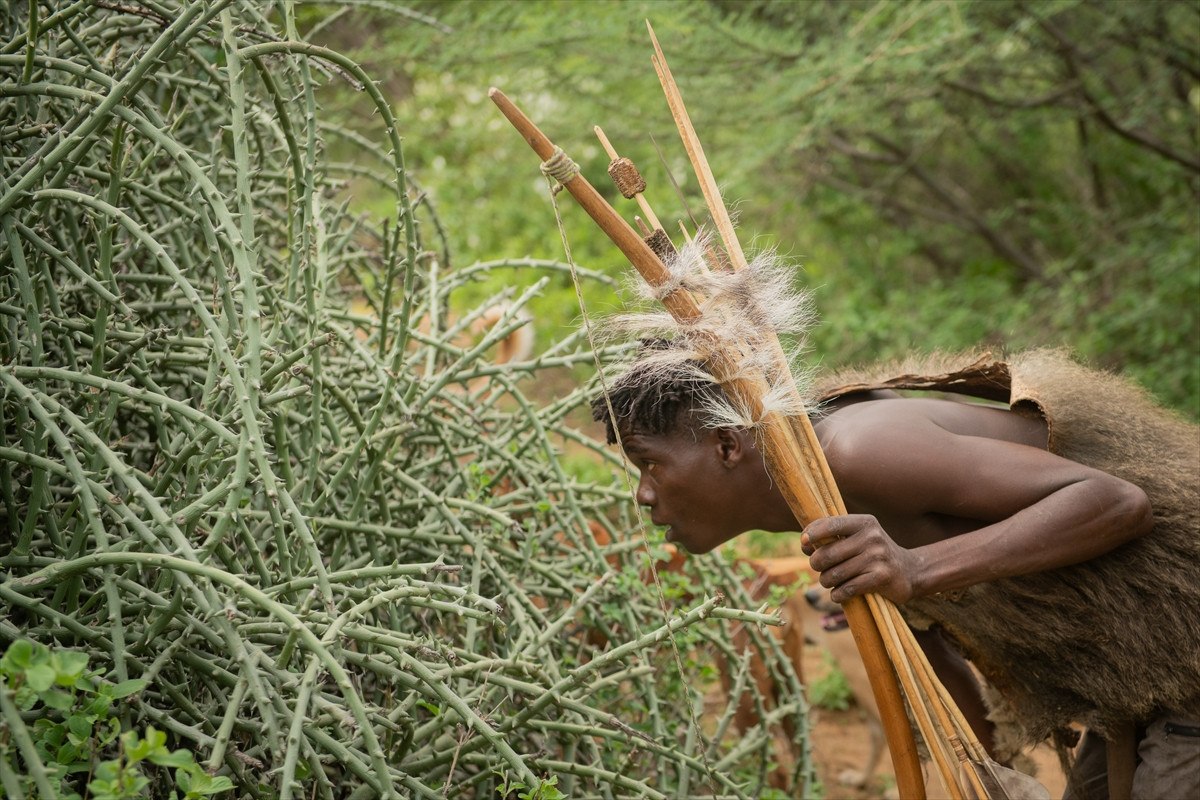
(1077, 523)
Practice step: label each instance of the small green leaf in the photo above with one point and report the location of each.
(40, 677)
(81, 725)
(69, 664)
(156, 738)
(25, 698)
(41, 655)
(176, 758)
(183, 779)
(113, 731)
(56, 698)
(135, 749)
(545, 790)
(99, 707)
(67, 754)
(50, 732)
(103, 790)
(201, 783)
(125, 688)
(17, 657)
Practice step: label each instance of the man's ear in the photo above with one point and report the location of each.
(732, 446)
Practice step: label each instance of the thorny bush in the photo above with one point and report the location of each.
(336, 553)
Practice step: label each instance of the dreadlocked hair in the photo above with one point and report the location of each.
(648, 399)
(742, 316)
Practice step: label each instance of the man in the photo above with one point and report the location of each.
(1054, 540)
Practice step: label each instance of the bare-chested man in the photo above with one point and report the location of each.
(990, 524)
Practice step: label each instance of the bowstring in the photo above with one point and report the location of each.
(555, 172)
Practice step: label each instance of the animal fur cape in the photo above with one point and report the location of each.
(1100, 643)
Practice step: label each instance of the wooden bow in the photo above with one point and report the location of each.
(795, 461)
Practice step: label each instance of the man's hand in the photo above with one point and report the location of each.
(855, 556)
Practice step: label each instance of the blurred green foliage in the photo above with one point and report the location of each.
(993, 173)
(75, 743)
(830, 690)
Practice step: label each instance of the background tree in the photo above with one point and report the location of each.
(949, 174)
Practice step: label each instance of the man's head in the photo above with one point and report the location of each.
(705, 483)
(651, 400)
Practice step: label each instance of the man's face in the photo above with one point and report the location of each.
(689, 486)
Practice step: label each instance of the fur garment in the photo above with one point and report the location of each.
(1107, 641)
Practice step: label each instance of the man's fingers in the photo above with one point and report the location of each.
(829, 578)
(823, 531)
(824, 559)
(840, 573)
(844, 592)
(858, 579)
(833, 548)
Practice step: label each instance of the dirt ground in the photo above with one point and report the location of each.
(841, 743)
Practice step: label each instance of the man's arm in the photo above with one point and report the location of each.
(960, 508)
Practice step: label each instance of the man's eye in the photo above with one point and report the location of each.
(650, 465)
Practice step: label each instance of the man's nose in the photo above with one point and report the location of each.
(645, 495)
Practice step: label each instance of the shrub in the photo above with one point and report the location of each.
(335, 550)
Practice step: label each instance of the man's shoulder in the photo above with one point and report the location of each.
(870, 416)
(866, 434)
(865, 431)
(885, 456)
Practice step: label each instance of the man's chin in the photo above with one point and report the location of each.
(688, 543)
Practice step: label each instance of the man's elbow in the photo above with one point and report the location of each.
(1132, 511)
